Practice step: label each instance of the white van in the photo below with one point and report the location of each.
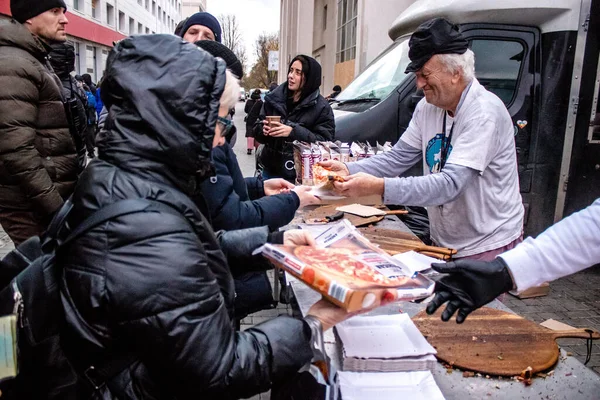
(540, 57)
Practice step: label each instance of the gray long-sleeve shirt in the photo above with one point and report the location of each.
(430, 190)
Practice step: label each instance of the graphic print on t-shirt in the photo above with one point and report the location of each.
(433, 153)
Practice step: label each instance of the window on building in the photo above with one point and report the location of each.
(77, 4)
(122, 21)
(77, 58)
(497, 66)
(325, 17)
(90, 59)
(148, 5)
(159, 13)
(153, 7)
(140, 28)
(164, 17)
(346, 30)
(94, 8)
(110, 15)
(140, 2)
(147, 31)
(104, 57)
(131, 26)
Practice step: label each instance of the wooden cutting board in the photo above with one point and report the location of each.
(323, 211)
(395, 242)
(392, 233)
(495, 342)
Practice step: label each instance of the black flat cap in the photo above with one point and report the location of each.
(436, 36)
(217, 49)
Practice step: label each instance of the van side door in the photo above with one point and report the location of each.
(507, 64)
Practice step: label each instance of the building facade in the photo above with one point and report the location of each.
(192, 7)
(95, 24)
(343, 35)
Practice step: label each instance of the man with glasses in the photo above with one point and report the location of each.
(465, 136)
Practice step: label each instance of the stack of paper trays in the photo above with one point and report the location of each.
(417, 385)
(384, 343)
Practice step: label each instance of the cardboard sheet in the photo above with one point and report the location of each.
(361, 211)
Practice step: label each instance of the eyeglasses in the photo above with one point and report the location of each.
(226, 125)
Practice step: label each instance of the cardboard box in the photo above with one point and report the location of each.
(537, 291)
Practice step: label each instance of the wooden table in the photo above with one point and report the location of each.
(571, 379)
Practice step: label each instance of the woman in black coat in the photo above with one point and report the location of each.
(305, 116)
(155, 285)
(252, 109)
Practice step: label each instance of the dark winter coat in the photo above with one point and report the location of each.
(62, 59)
(252, 108)
(154, 283)
(38, 160)
(312, 120)
(236, 203)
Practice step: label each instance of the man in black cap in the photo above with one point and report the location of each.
(465, 136)
(38, 160)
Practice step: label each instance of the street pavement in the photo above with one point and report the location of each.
(574, 300)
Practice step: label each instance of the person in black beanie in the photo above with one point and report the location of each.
(200, 26)
(38, 153)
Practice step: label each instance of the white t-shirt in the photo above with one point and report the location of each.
(488, 214)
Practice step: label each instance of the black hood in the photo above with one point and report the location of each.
(163, 97)
(62, 58)
(312, 74)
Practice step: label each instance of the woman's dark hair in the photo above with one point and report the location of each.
(311, 71)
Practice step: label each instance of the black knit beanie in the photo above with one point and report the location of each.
(220, 50)
(22, 10)
(204, 19)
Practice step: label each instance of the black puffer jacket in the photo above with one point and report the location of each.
(157, 284)
(312, 120)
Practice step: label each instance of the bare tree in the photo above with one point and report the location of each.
(260, 76)
(232, 37)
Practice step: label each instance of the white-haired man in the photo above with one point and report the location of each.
(465, 136)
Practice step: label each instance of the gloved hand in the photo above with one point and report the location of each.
(469, 285)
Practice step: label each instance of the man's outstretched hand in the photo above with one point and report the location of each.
(468, 285)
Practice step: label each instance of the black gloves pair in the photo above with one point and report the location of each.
(468, 285)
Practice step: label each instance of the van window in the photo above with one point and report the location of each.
(381, 77)
(497, 66)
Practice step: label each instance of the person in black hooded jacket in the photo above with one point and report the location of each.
(62, 59)
(305, 116)
(252, 109)
(155, 284)
(235, 202)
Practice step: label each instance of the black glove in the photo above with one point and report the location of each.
(469, 285)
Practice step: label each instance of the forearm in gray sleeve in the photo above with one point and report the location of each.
(389, 164)
(430, 190)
